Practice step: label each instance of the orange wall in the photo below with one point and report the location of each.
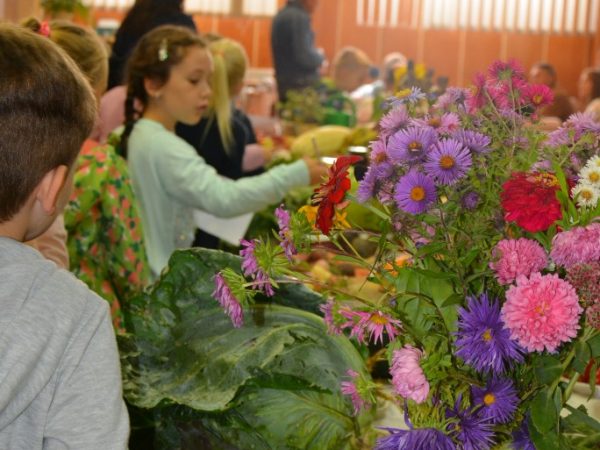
(458, 54)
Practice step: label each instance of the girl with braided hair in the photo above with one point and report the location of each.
(169, 73)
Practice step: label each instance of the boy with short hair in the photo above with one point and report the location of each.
(60, 383)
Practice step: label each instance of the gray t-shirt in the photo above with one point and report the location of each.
(60, 381)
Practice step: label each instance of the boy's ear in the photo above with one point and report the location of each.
(50, 187)
(153, 87)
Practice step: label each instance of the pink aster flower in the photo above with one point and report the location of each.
(353, 389)
(227, 300)
(362, 323)
(541, 312)
(329, 317)
(514, 257)
(578, 245)
(395, 120)
(407, 376)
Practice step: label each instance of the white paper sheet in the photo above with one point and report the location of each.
(230, 230)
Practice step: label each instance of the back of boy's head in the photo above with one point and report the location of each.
(230, 62)
(153, 58)
(349, 64)
(82, 45)
(47, 110)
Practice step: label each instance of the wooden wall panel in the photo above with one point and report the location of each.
(458, 54)
(480, 50)
(441, 53)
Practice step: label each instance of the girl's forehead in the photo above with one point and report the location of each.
(196, 58)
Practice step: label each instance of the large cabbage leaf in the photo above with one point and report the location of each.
(272, 384)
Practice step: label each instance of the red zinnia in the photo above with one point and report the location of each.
(529, 199)
(332, 192)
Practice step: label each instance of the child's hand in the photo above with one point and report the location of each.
(316, 169)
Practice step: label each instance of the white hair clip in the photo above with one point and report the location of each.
(163, 50)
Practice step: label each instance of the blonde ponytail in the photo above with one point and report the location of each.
(230, 62)
(221, 101)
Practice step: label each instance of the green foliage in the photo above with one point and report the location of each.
(272, 384)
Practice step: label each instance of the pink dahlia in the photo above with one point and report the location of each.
(514, 257)
(541, 312)
(579, 245)
(407, 376)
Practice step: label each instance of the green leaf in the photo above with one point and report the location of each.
(594, 344)
(583, 355)
(582, 417)
(592, 379)
(544, 415)
(547, 369)
(547, 440)
(261, 386)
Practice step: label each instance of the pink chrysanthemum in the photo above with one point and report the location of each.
(362, 323)
(541, 312)
(515, 257)
(580, 245)
(407, 376)
(352, 389)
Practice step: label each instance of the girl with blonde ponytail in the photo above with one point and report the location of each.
(225, 137)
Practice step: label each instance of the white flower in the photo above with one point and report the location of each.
(594, 162)
(586, 194)
(590, 175)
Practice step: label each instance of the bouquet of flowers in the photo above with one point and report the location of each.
(488, 262)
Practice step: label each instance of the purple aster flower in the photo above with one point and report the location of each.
(448, 162)
(283, 220)
(415, 439)
(498, 400)
(471, 430)
(367, 187)
(470, 200)
(385, 195)
(380, 159)
(473, 140)
(411, 145)
(521, 439)
(414, 96)
(415, 192)
(453, 96)
(482, 341)
(394, 121)
(227, 300)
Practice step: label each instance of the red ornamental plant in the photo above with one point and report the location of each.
(331, 193)
(529, 199)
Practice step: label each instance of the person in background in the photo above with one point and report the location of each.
(297, 62)
(59, 364)
(105, 244)
(391, 62)
(351, 69)
(144, 16)
(589, 91)
(169, 73)
(562, 106)
(225, 137)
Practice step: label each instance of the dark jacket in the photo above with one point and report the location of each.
(296, 60)
(126, 40)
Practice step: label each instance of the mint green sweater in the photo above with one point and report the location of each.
(170, 180)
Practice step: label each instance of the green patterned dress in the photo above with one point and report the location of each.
(105, 239)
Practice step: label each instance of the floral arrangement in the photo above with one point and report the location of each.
(488, 263)
(417, 77)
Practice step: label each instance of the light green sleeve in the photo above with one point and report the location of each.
(191, 181)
